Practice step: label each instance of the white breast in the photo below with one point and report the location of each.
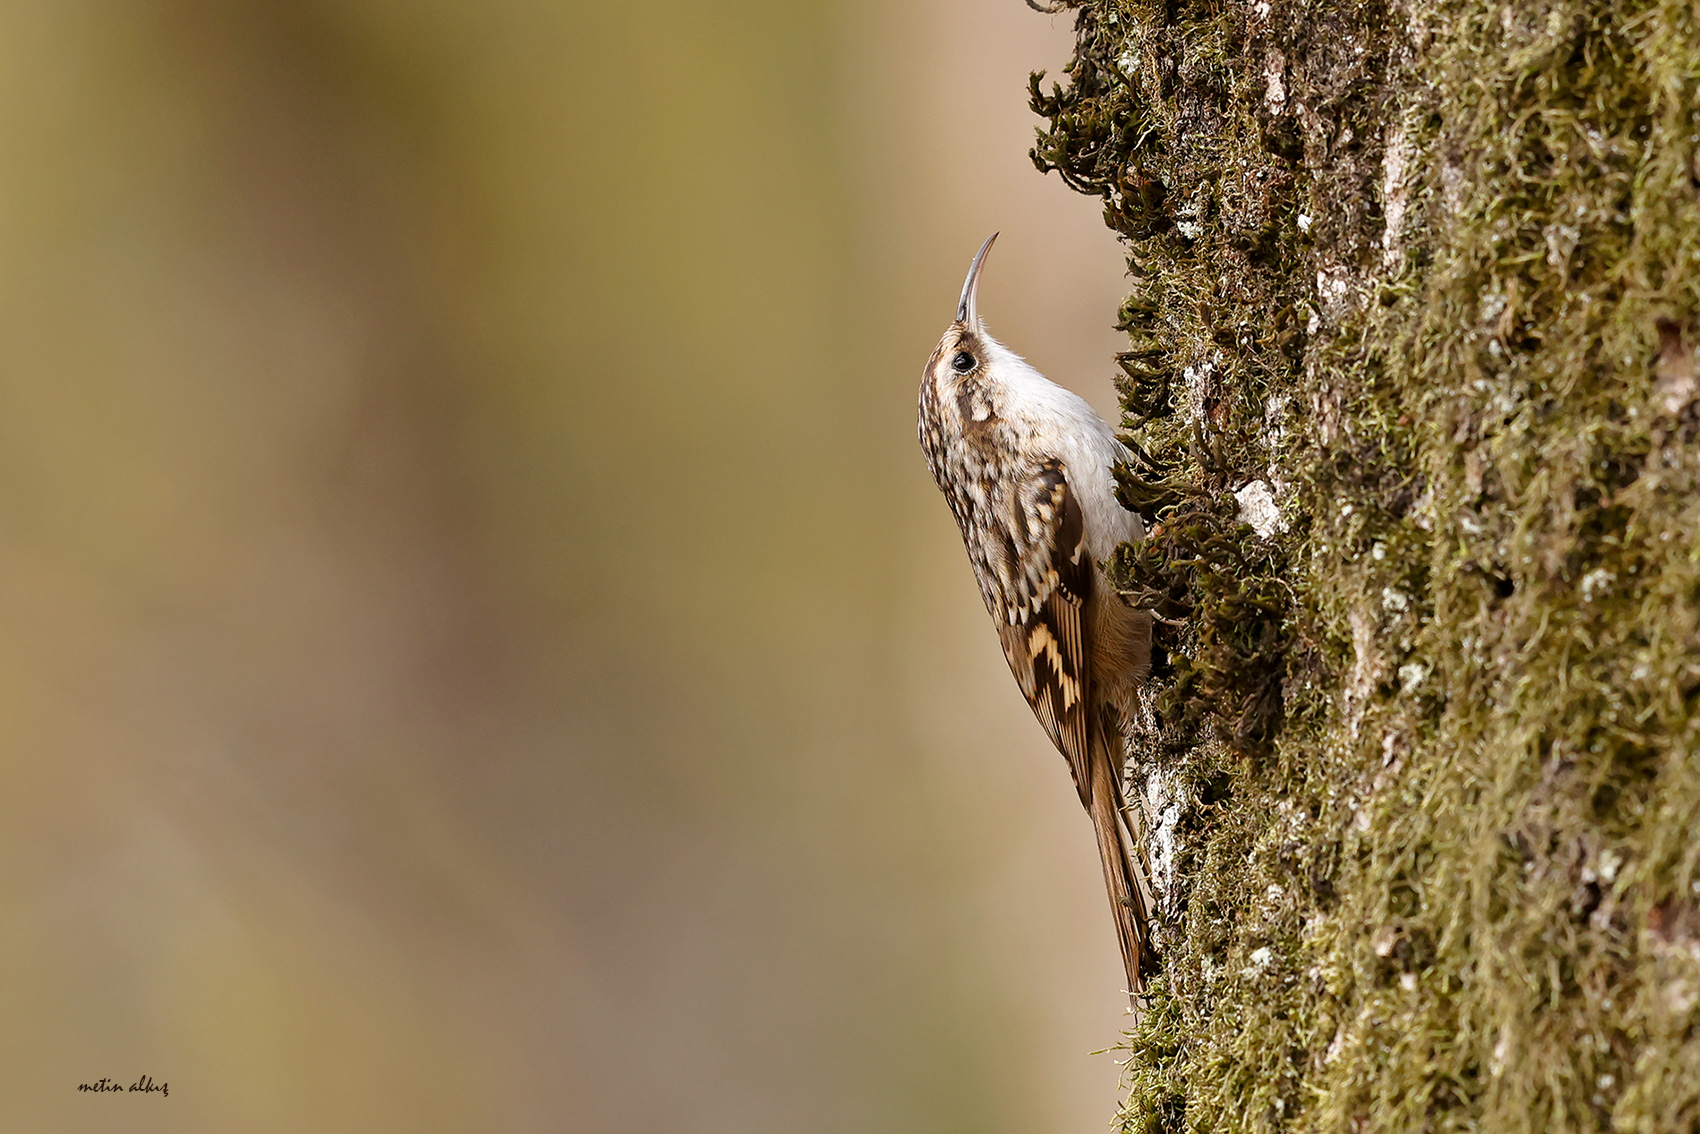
(1060, 422)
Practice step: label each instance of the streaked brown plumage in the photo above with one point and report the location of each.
(1025, 467)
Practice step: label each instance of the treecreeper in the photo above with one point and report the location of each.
(1026, 467)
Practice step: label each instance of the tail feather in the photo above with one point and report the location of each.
(1122, 874)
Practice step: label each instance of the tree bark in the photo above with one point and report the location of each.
(1412, 393)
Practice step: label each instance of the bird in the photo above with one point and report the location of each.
(1026, 467)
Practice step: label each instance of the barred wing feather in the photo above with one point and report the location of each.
(1040, 610)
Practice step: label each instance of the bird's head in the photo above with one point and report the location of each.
(966, 351)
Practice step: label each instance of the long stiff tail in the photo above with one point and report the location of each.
(1121, 877)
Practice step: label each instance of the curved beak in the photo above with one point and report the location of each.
(968, 307)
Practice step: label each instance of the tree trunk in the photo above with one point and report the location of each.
(1413, 397)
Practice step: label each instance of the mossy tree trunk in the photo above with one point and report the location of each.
(1411, 384)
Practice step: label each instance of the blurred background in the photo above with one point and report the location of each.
(480, 648)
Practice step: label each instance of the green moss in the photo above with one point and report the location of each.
(1429, 755)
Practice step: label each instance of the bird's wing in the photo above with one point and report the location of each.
(1040, 581)
(1037, 576)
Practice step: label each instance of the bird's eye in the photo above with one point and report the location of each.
(963, 362)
